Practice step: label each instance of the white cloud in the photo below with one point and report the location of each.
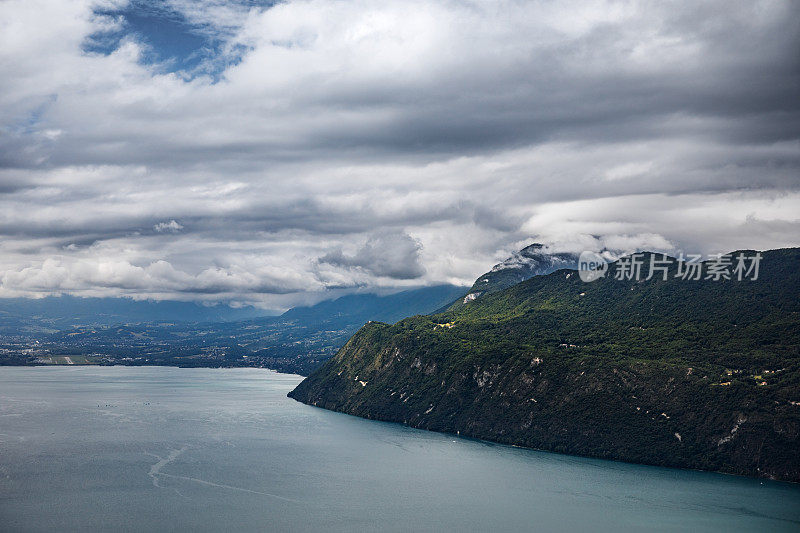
(168, 227)
(402, 141)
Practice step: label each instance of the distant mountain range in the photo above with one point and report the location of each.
(686, 373)
(173, 333)
(54, 313)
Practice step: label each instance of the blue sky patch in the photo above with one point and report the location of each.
(172, 42)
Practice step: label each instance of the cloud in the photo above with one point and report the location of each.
(168, 227)
(391, 255)
(309, 144)
(57, 275)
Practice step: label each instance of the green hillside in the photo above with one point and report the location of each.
(697, 374)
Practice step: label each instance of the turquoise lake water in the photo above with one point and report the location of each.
(169, 449)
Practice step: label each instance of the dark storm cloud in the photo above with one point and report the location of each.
(266, 149)
(740, 75)
(392, 255)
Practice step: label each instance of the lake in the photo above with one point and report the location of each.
(167, 449)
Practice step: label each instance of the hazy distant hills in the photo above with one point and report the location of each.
(688, 373)
(170, 333)
(58, 313)
(364, 307)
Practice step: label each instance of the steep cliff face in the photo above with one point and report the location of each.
(698, 374)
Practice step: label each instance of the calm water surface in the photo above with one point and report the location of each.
(168, 449)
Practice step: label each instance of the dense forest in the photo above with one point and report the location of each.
(676, 372)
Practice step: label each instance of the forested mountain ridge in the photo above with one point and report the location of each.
(686, 373)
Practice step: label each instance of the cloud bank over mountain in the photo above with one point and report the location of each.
(255, 153)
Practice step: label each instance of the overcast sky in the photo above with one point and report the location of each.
(251, 153)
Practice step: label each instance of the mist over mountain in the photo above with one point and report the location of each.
(533, 260)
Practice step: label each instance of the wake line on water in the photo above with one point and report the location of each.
(220, 485)
(155, 471)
